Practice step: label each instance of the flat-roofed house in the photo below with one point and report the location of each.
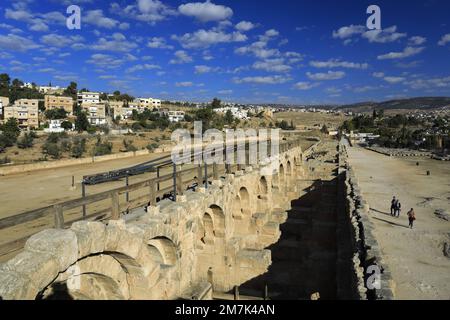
(26, 111)
(58, 102)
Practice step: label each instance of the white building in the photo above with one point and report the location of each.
(54, 126)
(88, 97)
(149, 103)
(176, 116)
(49, 89)
(239, 113)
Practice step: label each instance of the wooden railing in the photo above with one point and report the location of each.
(179, 180)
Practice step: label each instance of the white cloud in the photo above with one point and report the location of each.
(181, 57)
(271, 33)
(142, 67)
(407, 52)
(378, 36)
(378, 74)
(330, 75)
(431, 83)
(225, 92)
(305, 85)
(244, 26)
(206, 11)
(394, 80)
(336, 63)
(16, 43)
(262, 80)
(205, 69)
(96, 18)
(384, 36)
(444, 40)
(149, 11)
(417, 40)
(272, 65)
(348, 31)
(116, 42)
(105, 61)
(55, 40)
(158, 43)
(206, 38)
(184, 84)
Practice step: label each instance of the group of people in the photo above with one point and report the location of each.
(396, 209)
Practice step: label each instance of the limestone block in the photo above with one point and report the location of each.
(130, 244)
(112, 237)
(15, 286)
(91, 237)
(260, 219)
(39, 268)
(61, 244)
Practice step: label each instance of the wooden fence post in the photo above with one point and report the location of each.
(152, 194)
(115, 206)
(59, 217)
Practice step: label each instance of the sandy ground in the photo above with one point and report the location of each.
(415, 257)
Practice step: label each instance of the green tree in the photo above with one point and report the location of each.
(4, 80)
(81, 122)
(52, 149)
(229, 117)
(78, 147)
(54, 114)
(67, 125)
(26, 141)
(216, 103)
(10, 133)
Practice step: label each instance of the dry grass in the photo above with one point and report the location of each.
(307, 120)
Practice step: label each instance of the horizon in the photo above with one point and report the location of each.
(175, 50)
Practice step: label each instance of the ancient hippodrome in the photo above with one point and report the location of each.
(296, 231)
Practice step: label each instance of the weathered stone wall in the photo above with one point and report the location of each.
(210, 239)
(365, 249)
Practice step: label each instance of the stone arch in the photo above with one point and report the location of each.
(218, 219)
(98, 276)
(245, 204)
(205, 231)
(263, 186)
(289, 168)
(281, 176)
(163, 251)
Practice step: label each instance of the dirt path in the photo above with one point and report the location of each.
(419, 268)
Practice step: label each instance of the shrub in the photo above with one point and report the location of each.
(129, 147)
(26, 141)
(52, 149)
(151, 147)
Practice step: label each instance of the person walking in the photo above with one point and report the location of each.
(411, 218)
(398, 208)
(394, 200)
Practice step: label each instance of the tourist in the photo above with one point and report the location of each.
(398, 208)
(393, 202)
(411, 217)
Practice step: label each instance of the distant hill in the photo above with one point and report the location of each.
(425, 103)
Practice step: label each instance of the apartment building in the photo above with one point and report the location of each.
(88, 97)
(149, 103)
(117, 108)
(4, 102)
(26, 111)
(58, 102)
(96, 113)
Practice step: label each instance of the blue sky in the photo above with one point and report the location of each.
(250, 51)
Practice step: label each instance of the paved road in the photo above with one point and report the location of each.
(415, 257)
